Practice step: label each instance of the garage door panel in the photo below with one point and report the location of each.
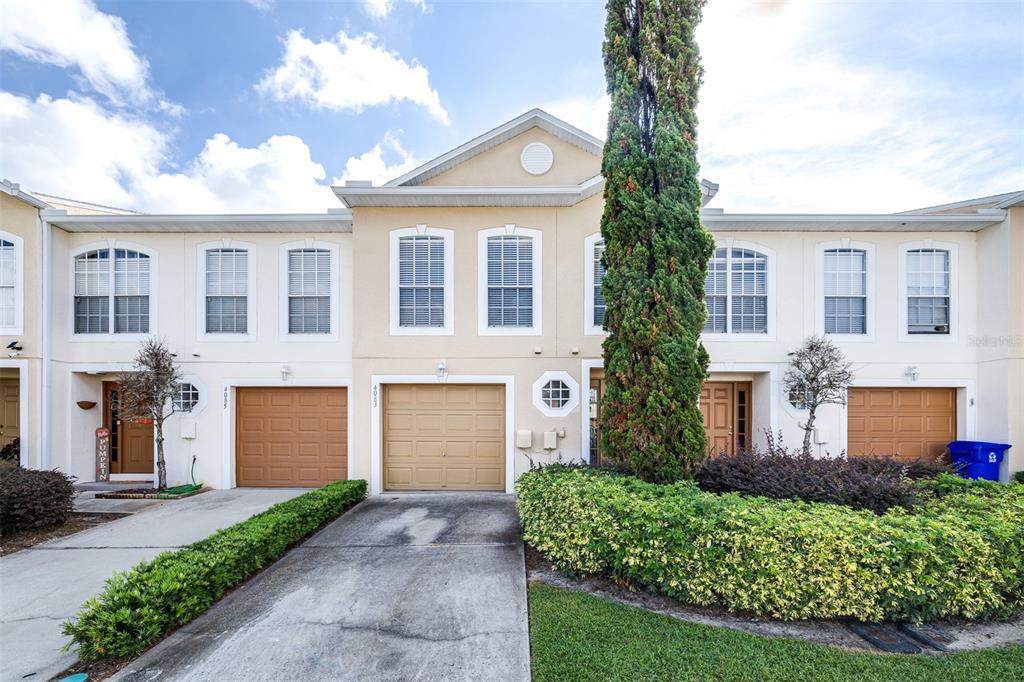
(291, 436)
(909, 423)
(444, 437)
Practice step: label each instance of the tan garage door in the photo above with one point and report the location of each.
(291, 436)
(909, 423)
(444, 437)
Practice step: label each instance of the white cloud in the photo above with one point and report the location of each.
(74, 33)
(349, 73)
(75, 148)
(262, 5)
(589, 114)
(788, 125)
(372, 165)
(380, 9)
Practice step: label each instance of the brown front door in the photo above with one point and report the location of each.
(444, 437)
(908, 423)
(726, 409)
(10, 410)
(291, 437)
(131, 443)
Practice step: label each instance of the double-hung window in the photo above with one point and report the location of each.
(846, 287)
(593, 296)
(421, 281)
(928, 291)
(112, 289)
(736, 292)
(309, 291)
(509, 299)
(9, 286)
(227, 291)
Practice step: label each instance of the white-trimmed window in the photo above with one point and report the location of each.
(227, 291)
(309, 302)
(928, 291)
(846, 291)
(556, 394)
(421, 281)
(187, 397)
(12, 304)
(593, 298)
(736, 292)
(509, 301)
(309, 291)
(112, 291)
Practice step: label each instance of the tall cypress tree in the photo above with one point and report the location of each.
(656, 250)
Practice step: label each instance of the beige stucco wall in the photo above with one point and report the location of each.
(21, 219)
(82, 363)
(500, 165)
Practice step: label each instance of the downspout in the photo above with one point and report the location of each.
(47, 286)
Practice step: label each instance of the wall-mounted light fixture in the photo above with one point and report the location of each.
(911, 373)
(286, 372)
(442, 370)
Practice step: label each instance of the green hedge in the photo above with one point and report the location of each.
(959, 554)
(34, 499)
(137, 607)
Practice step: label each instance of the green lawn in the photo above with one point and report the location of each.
(576, 636)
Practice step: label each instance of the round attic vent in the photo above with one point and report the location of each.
(536, 158)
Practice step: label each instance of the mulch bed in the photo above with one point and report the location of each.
(78, 521)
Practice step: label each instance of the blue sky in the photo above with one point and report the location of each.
(261, 105)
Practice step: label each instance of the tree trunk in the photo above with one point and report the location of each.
(808, 430)
(161, 465)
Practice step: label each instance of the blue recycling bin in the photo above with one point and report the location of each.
(977, 458)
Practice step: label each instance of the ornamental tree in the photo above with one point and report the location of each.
(656, 250)
(148, 391)
(818, 374)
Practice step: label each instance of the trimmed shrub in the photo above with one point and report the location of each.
(873, 483)
(1019, 477)
(11, 452)
(138, 606)
(34, 499)
(958, 554)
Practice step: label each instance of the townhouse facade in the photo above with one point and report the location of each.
(443, 331)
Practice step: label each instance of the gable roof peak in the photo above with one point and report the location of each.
(534, 118)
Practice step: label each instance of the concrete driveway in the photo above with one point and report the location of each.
(42, 586)
(403, 587)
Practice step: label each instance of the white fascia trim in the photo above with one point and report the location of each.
(586, 365)
(334, 221)
(819, 279)
(574, 394)
(23, 388)
(377, 383)
(729, 244)
(502, 196)
(954, 293)
(335, 250)
(494, 137)
(589, 244)
(229, 400)
(537, 288)
(250, 297)
(154, 292)
(20, 272)
(14, 190)
(449, 278)
(826, 222)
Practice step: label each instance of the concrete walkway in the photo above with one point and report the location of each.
(403, 587)
(42, 586)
